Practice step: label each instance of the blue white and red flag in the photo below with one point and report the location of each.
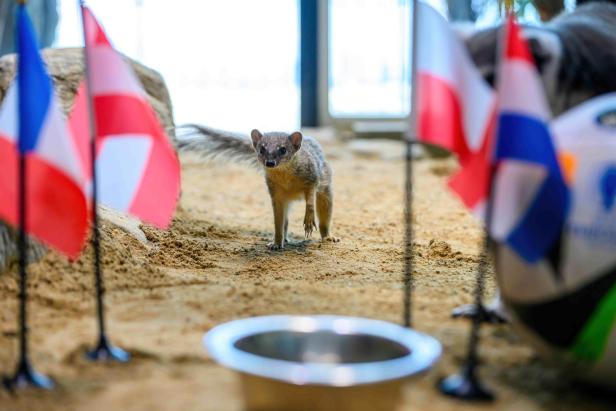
(32, 125)
(531, 197)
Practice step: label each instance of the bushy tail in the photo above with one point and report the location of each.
(210, 143)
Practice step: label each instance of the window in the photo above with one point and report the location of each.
(369, 48)
(231, 64)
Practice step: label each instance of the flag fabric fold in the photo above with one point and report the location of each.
(531, 197)
(32, 125)
(455, 106)
(137, 169)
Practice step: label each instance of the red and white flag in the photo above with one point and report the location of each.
(137, 169)
(455, 106)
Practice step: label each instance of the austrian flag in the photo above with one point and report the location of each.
(456, 107)
(137, 169)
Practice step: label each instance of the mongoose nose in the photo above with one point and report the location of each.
(270, 163)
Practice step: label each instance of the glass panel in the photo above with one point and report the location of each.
(369, 51)
(231, 64)
(369, 58)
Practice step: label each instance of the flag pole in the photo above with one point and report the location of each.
(466, 384)
(408, 186)
(104, 350)
(25, 376)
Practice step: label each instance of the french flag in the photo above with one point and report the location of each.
(138, 171)
(455, 106)
(531, 197)
(32, 125)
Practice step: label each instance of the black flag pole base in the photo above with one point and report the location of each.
(104, 351)
(486, 314)
(26, 377)
(465, 386)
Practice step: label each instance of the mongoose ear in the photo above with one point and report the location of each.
(296, 140)
(256, 137)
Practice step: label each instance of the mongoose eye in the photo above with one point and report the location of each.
(282, 150)
(262, 151)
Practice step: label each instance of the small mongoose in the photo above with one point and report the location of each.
(294, 166)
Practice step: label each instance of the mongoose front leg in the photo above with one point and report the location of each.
(279, 217)
(325, 204)
(309, 221)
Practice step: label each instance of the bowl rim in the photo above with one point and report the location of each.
(424, 350)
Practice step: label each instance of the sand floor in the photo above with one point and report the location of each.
(213, 266)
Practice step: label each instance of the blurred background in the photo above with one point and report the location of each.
(271, 64)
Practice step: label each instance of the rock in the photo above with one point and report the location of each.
(439, 248)
(66, 69)
(129, 224)
(8, 247)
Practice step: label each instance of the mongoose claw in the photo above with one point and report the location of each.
(309, 225)
(275, 247)
(309, 229)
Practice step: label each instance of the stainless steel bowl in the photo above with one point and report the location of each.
(315, 363)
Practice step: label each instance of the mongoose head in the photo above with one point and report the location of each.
(275, 148)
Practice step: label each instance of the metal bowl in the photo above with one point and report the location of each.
(321, 362)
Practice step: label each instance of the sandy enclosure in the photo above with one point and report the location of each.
(213, 266)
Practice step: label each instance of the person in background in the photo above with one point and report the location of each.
(548, 9)
(44, 15)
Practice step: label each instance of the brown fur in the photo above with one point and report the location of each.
(295, 169)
